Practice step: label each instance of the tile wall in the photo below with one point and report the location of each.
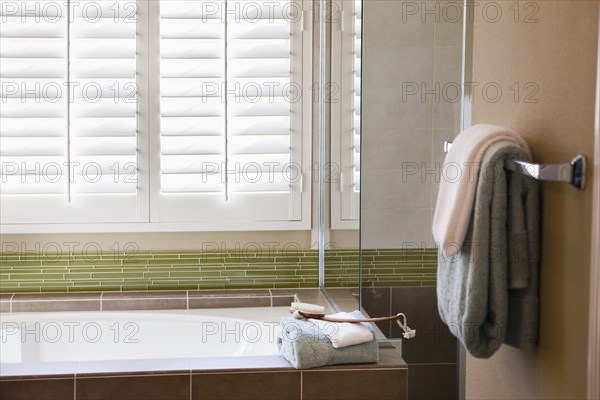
(412, 63)
(212, 270)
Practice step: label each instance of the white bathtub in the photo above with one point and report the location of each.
(138, 335)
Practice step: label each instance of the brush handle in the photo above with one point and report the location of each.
(322, 317)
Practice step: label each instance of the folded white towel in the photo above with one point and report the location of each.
(455, 197)
(343, 334)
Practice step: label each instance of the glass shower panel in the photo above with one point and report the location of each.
(341, 33)
(412, 65)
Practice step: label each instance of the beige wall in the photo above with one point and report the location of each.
(558, 54)
(175, 241)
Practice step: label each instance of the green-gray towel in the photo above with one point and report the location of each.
(304, 345)
(488, 292)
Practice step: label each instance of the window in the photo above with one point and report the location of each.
(155, 115)
(345, 113)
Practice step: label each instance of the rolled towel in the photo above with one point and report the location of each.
(305, 345)
(343, 334)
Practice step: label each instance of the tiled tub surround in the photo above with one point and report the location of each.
(213, 270)
(247, 377)
(432, 355)
(255, 380)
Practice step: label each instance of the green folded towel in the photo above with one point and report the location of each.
(304, 345)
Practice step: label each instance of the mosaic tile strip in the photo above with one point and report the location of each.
(213, 270)
(381, 267)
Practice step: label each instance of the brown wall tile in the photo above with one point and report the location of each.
(432, 381)
(42, 389)
(247, 386)
(153, 387)
(354, 384)
(434, 343)
(376, 302)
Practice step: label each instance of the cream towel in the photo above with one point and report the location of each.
(343, 334)
(455, 197)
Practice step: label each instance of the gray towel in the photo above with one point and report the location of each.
(304, 345)
(488, 292)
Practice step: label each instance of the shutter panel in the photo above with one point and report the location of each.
(345, 153)
(357, 51)
(231, 139)
(33, 112)
(192, 115)
(259, 114)
(73, 134)
(104, 90)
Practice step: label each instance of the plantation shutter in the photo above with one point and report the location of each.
(345, 156)
(68, 112)
(357, 51)
(104, 89)
(231, 115)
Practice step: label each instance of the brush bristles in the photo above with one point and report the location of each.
(308, 308)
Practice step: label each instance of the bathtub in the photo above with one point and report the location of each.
(169, 345)
(86, 338)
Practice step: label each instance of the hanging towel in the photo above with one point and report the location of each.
(457, 188)
(487, 292)
(305, 345)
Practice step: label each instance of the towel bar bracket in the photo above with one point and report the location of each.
(573, 172)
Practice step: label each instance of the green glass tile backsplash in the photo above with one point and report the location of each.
(214, 270)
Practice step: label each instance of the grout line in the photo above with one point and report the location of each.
(301, 384)
(418, 363)
(21, 378)
(191, 394)
(101, 300)
(187, 298)
(74, 387)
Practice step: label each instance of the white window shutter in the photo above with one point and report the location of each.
(70, 126)
(158, 119)
(345, 149)
(231, 146)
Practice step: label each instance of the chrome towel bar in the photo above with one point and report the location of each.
(572, 172)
